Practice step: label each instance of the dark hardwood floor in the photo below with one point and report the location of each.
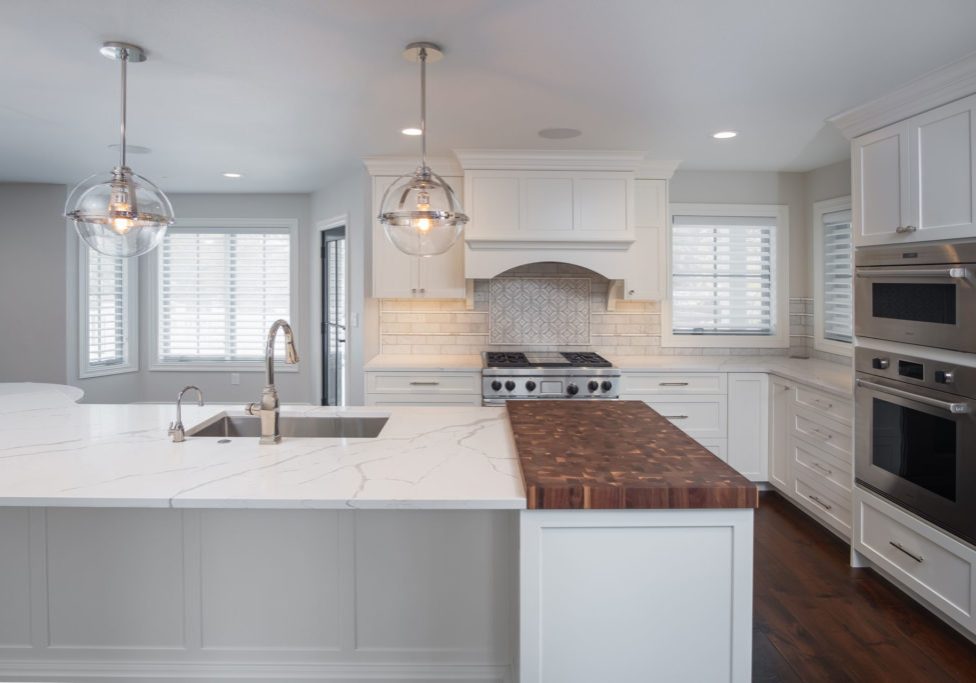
(817, 619)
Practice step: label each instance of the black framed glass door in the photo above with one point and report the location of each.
(333, 316)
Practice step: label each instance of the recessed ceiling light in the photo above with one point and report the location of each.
(559, 133)
(411, 131)
(231, 175)
(131, 149)
(724, 134)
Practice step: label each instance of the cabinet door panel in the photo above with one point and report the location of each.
(442, 276)
(601, 204)
(942, 167)
(547, 204)
(394, 273)
(880, 184)
(492, 202)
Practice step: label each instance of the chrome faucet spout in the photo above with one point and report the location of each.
(269, 407)
(176, 431)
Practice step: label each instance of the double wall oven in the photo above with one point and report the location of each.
(915, 427)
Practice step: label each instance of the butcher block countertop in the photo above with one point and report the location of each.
(617, 455)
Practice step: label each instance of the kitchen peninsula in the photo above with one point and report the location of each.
(409, 556)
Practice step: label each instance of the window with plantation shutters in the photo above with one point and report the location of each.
(837, 290)
(723, 275)
(219, 289)
(107, 313)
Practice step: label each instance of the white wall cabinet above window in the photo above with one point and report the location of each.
(915, 180)
(397, 275)
(108, 312)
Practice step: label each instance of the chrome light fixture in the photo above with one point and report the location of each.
(420, 213)
(120, 213)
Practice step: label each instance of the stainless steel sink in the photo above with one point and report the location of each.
(301, 427)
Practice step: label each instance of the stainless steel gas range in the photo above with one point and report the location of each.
(527, 375)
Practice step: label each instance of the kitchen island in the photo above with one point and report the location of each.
(128, 557)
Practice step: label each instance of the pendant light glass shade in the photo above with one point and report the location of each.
(420, 213)
(120, 214)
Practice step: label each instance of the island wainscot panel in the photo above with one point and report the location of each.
(617, 455)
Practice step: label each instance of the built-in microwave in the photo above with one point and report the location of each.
(915, 432)
(921, 294)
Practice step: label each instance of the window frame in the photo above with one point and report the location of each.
(131, 292)
(291, 224)
(821, 343)
(781, 283)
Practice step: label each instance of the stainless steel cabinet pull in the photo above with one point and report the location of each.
(672, 384)
(424, 384)
(820, 433)
(821, 402)
(819, 502)
(902, 229)
(954, 408)
(675, 417)
(955, 273)
(899, 546)
(822, 468)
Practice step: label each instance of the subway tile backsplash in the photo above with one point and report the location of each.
(529, 306)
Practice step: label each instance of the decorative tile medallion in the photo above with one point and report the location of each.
(539, 311)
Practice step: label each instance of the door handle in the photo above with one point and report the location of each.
(899, 546)
(675, 417)
(672, 384)
(819, 502)
(954, 273)
(902, 229)
(954, 408)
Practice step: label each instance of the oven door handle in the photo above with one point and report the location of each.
(954, 408)
(955, 273)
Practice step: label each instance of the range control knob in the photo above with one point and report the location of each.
(943, 376)
(572, 390)
(607, 385)
(510, 385)
(593, 385)
(530, 385)
(496, 385)
(880, 363)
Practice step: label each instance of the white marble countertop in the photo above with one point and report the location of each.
(833, 377)
(119, 456)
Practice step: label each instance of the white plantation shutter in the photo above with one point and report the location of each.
(838, 302)
(723, 275)
(107, 307)
(219, 290)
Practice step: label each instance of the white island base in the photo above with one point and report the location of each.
(146, 595)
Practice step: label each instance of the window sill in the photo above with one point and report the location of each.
(107, 371)
(835, 347)
(733, 341)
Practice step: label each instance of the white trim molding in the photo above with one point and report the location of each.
(404, 165)
(820, 343)
(781, 280)
(548, 160)
(945, 84)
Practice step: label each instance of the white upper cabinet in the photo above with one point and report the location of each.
(531, 207)
(401, 276)
(646, 258)
(914, 180)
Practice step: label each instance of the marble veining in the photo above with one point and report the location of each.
(119, 456)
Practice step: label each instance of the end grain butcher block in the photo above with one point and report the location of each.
(617, 454)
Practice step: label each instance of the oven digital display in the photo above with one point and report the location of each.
(915, 302)
(550, 387)
(916, 446)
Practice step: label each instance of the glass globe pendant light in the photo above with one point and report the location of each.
(420, 212)
(120, 213)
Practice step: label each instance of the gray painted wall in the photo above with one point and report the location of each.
(32, 295)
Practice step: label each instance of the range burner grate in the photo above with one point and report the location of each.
(543, 359)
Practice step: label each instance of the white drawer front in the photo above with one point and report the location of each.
(717, 446)
(823, 502)
(699, 416)
(838, 408)
(426, 383)
(674, 383)
(827, 434)
(832, 472)
(407, 399)
(928, 561)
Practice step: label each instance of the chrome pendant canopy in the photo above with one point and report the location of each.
(420, 212)
(120, 213)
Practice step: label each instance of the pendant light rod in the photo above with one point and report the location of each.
(423, 107)
(124, 53)
(125, 61)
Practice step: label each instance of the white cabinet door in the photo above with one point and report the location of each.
(748, 424)
(547, 204)
(881, 186)
(943, 148)
(397, 275)
(646, 258)
(602, 204)
(780, 399)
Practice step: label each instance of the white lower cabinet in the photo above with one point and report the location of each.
(423, 388)
(748, 409)
(780, 399)
(927, 562)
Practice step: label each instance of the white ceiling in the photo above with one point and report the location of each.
(292, 92)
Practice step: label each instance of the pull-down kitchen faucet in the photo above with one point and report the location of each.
(268, 408)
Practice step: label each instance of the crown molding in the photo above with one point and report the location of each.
(548, 160)
(657, 169)
(405, 165)
(931, 90)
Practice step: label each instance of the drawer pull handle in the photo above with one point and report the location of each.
(819, 502)
(902, 229)
(820, 433)
(424, 384)
(899, 546)
(821, 402)
(675, 417)
(822, 468)
(672, 384)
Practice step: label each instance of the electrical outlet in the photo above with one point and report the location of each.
(235, 378)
